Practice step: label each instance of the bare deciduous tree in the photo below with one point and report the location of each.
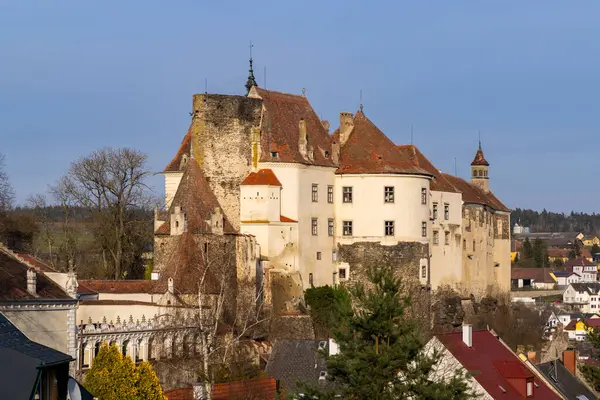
(7, 195)
(111, 184)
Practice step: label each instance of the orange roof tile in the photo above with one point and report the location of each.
(111, 286)
(259, 388)
(475, 195)
(369, 151)
(286, 219)
(479, 158)
(280, 129)
(185, 148)
(262, 177)
(439, 182)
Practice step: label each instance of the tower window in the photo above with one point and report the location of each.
(435, 210)
(315, 192)
(347, 194)
(342, 273)
(388, 194)
(314, 226)
(424, 229)
(423, 195)
(446, 212)
(423, 271)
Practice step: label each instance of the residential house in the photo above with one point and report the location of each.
(590, 240)
(564, 319)
(532, 278)
(587, 270)
(585, 296)
(562, 375)
(578, 329)
(493, 370)
(29, 370)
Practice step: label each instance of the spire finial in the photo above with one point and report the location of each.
(479, 132)
(361, 103)
(251, 81)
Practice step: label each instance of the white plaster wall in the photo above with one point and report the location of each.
(368, 211)
(126, 296)
(278, 242)
(446, 260)
(45, 327)
(260, 203)
(296, 203)
(97, 312)
(172, 180)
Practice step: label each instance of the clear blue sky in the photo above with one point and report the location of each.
(79, 75)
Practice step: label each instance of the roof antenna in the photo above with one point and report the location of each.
(361, 105)
(411, 134)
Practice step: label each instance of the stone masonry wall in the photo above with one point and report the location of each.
(221, 143)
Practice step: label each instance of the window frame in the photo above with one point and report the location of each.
(423, 228)
(436, 237)
(330, 227)
(389, 228)
(340, 273)
(315, 193)
(347, 228)
(314, 226)
(446, 211)
(347, 194)
(446, 238)
(424, 196)
(435, 210)
(330, 194)
(389, 194)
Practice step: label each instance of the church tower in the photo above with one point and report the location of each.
(479, 170)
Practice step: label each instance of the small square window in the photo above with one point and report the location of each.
(389, 228)
(315, 193)
(388, 194)
(446, 212)
(314, 223)
(318, 255)
(436, 237)
(347, 225)
(347, 194)
(330, 226)
(423, 195)
(424, 229)
(330, 194)
(447, 238)
(435, 210)
(342, 273)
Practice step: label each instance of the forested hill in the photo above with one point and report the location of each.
(546, 221)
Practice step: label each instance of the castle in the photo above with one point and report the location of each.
(318, 208)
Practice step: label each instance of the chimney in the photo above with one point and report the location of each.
(333, 347)
(346, 125)
(302, 138)
(31, 282)
(467, 334)
(570, 361)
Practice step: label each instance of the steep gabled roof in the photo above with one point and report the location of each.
(563, 381)
(475, 195)
(493, 365)
(479, 158)
(589, 287)
(369, 151)
(197, 200)
(185, 148)
(280, 129)
(579, 262)
(262, 177)
(439, 183)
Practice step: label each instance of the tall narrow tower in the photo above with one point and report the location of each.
(479, 170)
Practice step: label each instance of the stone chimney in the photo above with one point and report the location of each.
(32, 282)
(570, 361)
(346, 125)
(302, 138)
(467, 334)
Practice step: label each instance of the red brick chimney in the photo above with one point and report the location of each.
(570, 361)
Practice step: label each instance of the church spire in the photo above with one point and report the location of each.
(251, 81)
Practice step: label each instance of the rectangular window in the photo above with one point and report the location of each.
(424, 229)
(342, 273)
(423, 271)
(436, 237)
(314, 226)
(473, 245)
(464, 244)
(446, 212)
(315, 192)
(423, 195)
(435, 210)
(310, 279)
(389, 228)
(330, 194)
(447, 238)
(330, 225)
(318, 255)
(347, 228)
(388, 194)
(347, 194)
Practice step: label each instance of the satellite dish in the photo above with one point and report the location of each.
(73, 390)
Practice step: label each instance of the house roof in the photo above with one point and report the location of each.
(369, 151)
(36, 263)
(564, 253)
(591, 287)
(479, 158)
(197, 200)
(571, 325)
(537, 274)
(259, 388)
(592, 322)
(578, 262)
(88, 286)
(294, 361)
(262, 177)
(492, 364)
(13, 282)
(475, 195)
(177, 163)
(563, 381)
(281, 117)
(439, 183)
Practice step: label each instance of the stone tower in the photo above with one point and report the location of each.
(479, 170)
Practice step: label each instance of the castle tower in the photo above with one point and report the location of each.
(479, 170)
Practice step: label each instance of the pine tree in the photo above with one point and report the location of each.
(380, 350)
(148, 386)
(527, 252)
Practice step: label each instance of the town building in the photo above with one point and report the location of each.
(562, 376)
(584, 296)
(532, 278)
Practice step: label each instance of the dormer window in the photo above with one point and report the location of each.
(274, 154)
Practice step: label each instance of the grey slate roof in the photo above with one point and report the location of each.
(591, 288)
(294, 361)
(563, 381)
(13, 338)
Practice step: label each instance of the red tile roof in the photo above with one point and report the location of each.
(537, 274)
(493, 364)
(479, 158)
(286, 219)
(369, 151)
(578, 262)
(185, 147)
(558, 253)
(413, 154)
(258, 388)
(571, 325)
(592, 322)
(262, 177)
(164, 228)
(280, 129)
(475, 195)
(36, 263)
(111, 286)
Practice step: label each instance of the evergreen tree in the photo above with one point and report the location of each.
(328, 306)
(380, 350)
(527, 249)
(148, 386)
(558, 262)
(516, 258)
